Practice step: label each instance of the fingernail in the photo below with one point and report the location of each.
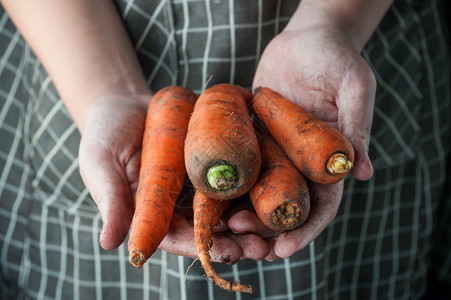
(270, 260)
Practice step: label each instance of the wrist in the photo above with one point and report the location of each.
(355, 19)
(122, 87)
(313, 16)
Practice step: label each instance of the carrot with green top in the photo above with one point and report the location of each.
(318, 150)
(222, 154)
(162, 170)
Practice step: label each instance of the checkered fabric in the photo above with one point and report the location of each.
(390, 234)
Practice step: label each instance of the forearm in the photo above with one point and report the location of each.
(83, 46)
(357, 18)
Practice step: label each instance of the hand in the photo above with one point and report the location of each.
(325, 201)
(318, 68)
(110, 152)
(227, 247)
(109, 156)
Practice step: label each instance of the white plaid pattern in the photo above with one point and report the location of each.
(378, 247)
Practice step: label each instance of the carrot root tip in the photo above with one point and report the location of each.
(287, 216)
(136, 258)
(339, 163)
(222, 177)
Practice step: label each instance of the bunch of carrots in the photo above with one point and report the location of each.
(230, 142)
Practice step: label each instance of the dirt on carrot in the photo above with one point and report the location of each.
(280, 196)
(162, 170)
(222, 154)
(318, 150)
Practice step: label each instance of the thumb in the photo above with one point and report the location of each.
(355, 116)
(108, 185)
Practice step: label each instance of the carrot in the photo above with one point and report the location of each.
(162, 170)
(317, 149)
(222, 155)
(207, 212)
(280, 196)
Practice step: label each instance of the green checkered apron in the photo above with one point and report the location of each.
(391, 232)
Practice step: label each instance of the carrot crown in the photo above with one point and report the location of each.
(338, 163)
(222, 177)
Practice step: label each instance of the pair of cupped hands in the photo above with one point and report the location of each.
(317, 68)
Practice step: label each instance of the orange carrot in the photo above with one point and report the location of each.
(317, 149)
(222, 155)
(207, 212)
(162, 170)
(280, 196)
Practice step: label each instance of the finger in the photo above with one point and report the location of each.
(180, 238)
(242, 202)
(225, 250)
(180, 241)
(245, 221)
(272, 254)
(221, 227)
(132, 171)
(253, 246)
(108, 185)
(324, 206)
(355, 115)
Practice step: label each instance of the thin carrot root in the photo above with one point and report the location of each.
(189, 267)
(207, 212)
(339, 163)
(231, 286)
